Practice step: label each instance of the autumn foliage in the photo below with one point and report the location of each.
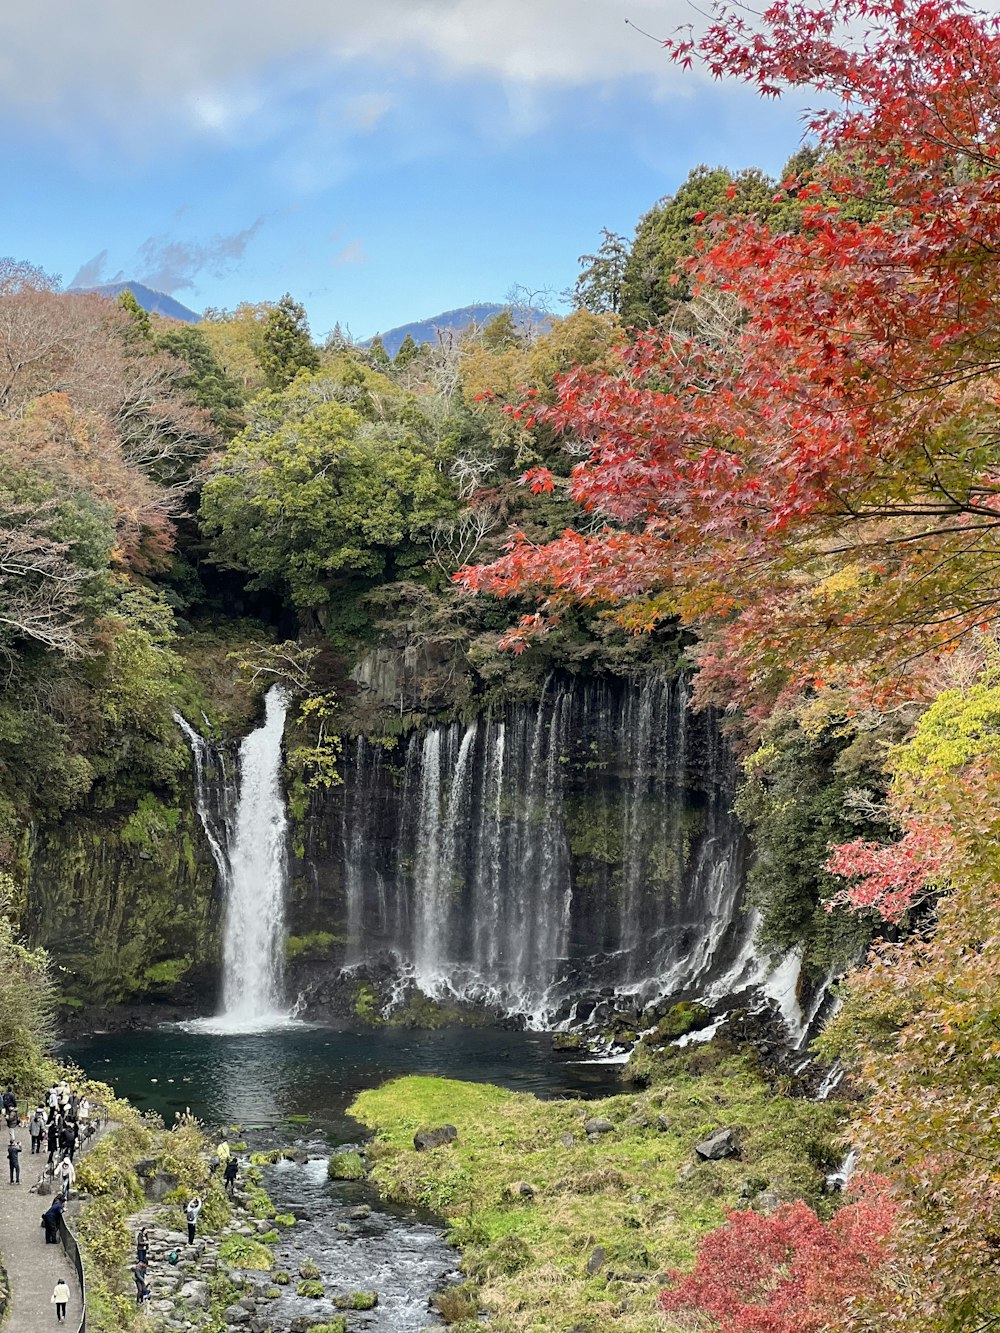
(788, 1272)
(810, 477)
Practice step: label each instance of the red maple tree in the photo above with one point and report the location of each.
(788, 1272)
(816, 484)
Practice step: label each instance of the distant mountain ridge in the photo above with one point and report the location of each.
(154, 303)
(454, 321)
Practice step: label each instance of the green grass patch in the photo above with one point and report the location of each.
(357, 1300)
(346, 1166)
(638, 1192)
(245, 1252)
(311, 1287)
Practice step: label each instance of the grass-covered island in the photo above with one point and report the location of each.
(573, 1231)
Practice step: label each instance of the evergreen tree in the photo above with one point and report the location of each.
(287, 344)
(208, 383)
(140, 329)
(501, 332)
(601, 282)
(654, 279)
(377, 354)
(408, 352)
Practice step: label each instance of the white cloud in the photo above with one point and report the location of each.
(170, 265)
(128, 66)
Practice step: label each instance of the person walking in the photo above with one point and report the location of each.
(66, 1140)
(139, 1271)
(67, 1174)
(191, 1213)
(52, 1141)
(36, 1128)
(59, 1298)
(141, 1246)
(229, 1175)
(14, 1161)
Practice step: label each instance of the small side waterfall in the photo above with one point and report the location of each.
(246, 826)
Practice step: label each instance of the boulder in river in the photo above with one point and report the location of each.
(434, 1138)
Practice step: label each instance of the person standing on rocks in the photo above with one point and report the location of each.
(229, 1175)
(14, 1161)
(59, 1298)
(139, 1271)
(141, 1246)
(191, 1213)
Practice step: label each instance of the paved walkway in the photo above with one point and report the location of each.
(33, 1268)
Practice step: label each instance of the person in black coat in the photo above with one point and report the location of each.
(50, 1221)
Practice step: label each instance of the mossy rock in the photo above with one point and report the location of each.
(281, 1279)
(357, 1300)
(681, 1019)
(308, 1269)
(346, 1166)
(312, 1288)
(567, 1041)
(285, 1219)
(338, 1324)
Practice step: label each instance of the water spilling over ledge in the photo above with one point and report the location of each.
(582, 842)
(246, 825)
(533, 861)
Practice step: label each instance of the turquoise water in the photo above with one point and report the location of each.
(264, 1078)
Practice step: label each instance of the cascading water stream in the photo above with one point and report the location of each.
(575, 844)
(247, 831)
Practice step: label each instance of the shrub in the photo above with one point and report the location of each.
(312, 1288)
(456, 1303)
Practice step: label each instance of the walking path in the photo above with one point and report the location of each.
(33, 1268)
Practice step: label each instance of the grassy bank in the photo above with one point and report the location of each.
(576, 1233)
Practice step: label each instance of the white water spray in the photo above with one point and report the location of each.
(250, 850)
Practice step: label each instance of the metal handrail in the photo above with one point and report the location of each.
(72, 1249)
(70, 1244)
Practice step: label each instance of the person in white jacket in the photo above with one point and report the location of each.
(67, 1174)
(59, 1298)
(191, 1213)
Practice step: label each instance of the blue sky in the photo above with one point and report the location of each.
(381, 163)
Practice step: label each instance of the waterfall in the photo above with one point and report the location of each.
(579, 843)
(247, 830)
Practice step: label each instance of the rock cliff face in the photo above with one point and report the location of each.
(524, 861)
(127, 906)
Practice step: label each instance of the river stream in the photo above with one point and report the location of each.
(293, 1087)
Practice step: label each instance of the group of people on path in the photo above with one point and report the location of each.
(61, 1125)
